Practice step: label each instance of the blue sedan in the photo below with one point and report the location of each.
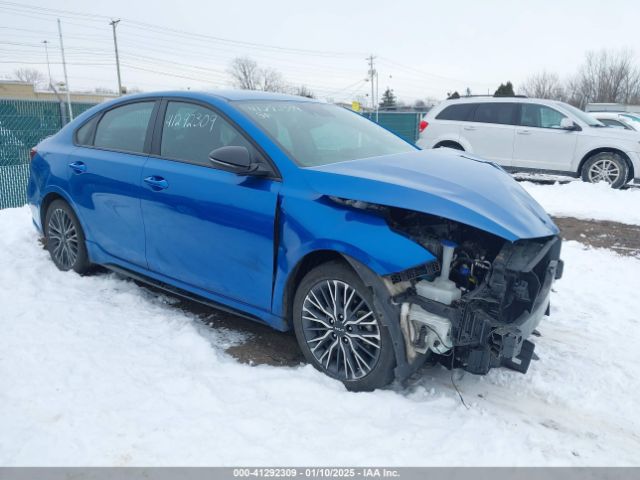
(305, 216)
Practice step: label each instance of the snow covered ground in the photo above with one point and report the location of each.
(98, 371)
(588, 201)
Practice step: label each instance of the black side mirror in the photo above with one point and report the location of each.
(236, 159)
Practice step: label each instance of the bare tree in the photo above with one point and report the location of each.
(606, 76)
(303, 91)
(543, 85)
(246, 74)
(270, 80)
(30, 75)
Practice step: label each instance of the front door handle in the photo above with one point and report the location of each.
(470, 128)
(156, 183)
(524, 132)
(78, 167)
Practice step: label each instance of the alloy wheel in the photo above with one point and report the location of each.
(341, 330)
(604, 170)
(63, 239)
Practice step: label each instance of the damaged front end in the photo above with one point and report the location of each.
(475, 307)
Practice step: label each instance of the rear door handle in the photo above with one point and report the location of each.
(524, 132)
(78, 167)
(470, 128)
(156, 183)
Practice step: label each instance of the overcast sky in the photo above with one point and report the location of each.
(423, 48)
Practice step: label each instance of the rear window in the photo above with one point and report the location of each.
(124, 128)
(500, 113)
(460, 112)
(84, 135)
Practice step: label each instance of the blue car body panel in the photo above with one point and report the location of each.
(438, 182)
(236, 240)
(223, 223)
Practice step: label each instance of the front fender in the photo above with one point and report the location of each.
(309, 225)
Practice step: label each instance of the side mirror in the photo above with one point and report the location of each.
(236, 159)
(568, 124)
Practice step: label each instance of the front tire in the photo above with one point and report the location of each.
(338, 329)
(607, 167)
(65, 238)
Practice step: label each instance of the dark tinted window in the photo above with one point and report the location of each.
(191, 132)
(540, 116)
(124, 128)
(84, 135)
(502, 113)
(459, 112)
(613, 123)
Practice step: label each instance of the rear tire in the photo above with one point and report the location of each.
(338, 329)
(609, 167)
(65, 239)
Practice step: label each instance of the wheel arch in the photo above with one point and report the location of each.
(387, 311)
(47, 200)
(450, 144)
(596, 151)
(307, 263)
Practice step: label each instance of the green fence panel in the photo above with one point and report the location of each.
(23, 124)
(403, 124)
(13, 185)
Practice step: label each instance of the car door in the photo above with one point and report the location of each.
(491, 131)
(206, 227)
(104, 178)
(540, 142)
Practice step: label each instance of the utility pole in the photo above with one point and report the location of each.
(114, 24)
(372, 74)
(46, 52)
(64, 68)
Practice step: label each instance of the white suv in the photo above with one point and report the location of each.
(526, 134)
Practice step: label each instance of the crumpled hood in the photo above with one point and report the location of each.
(453, 185)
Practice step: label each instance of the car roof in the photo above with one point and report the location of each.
(492, 99)
(225, 95)
(613, 115)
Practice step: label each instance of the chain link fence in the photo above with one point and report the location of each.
(403, 124)
(24, 123)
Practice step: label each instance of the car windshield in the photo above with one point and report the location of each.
(583, 116)
(316, 134)
(633, 118)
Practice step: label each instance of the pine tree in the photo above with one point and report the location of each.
(388, 100)
(505, 90)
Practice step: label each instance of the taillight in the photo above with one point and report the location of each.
(423, 124)
(32, 153)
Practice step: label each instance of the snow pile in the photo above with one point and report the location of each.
(588, 201)
(97, 371)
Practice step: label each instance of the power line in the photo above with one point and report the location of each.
(16, 7)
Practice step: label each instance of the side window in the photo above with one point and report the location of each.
(459, 112)
(191, 132)
(84, 135)
(124, 128)
(613, 123)
(532, 115)
(498, 112)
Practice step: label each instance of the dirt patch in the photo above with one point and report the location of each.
(622, 238)
(266, 346)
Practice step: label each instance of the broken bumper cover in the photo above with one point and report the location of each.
(490, 326)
